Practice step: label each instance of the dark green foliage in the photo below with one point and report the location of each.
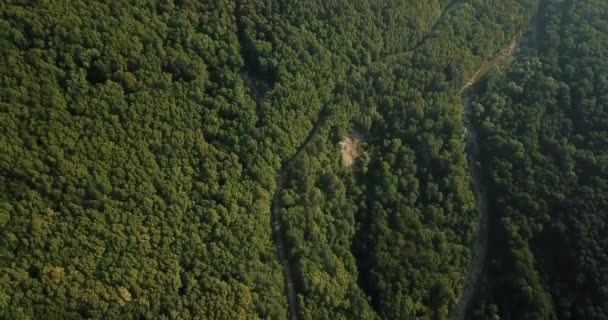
(127, 186)
(141, 144)
(543, 125)
(418, 214)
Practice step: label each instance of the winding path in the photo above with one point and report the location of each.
(444, 13)
(480, 243)
(279, 233)
(279, 236)
(275, 207)
(258, 87)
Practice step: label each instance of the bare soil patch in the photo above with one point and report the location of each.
(349, 147)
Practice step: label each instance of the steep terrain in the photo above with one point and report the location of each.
(181, 159)
(480, 242)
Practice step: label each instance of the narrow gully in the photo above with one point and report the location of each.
(480, 243)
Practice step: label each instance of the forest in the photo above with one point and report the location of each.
(544, 123)
(181, 159)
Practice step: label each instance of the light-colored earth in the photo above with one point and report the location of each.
(504, 57)
(349, 147)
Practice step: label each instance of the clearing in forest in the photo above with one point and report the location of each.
(349, 147)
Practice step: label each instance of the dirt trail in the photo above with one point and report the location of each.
(257, 88)
(275, 209)
(279, 238)
(444, 14)
(480, 243)
(279, 233)
(504, 57)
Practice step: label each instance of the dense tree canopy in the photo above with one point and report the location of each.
(155, 156)
(544, 134)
